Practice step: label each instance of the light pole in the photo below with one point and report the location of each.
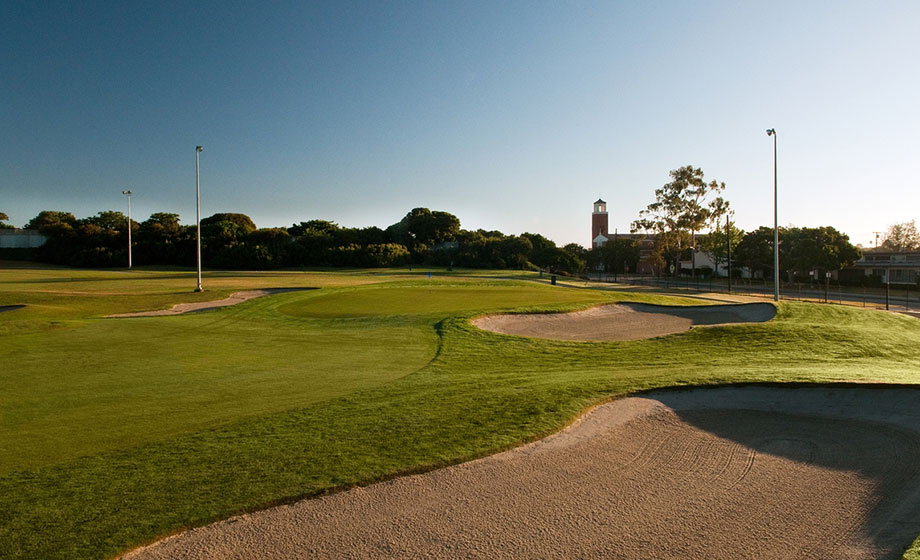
(772, 132)
(128, 195)
(198, 211)
(728, 236)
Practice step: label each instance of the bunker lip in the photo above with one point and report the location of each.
(624, 321)
(11, 307)
(804, 472)
(235, 298)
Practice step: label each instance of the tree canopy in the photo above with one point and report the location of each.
(902, 237)
(232, 240)
(685, 205)
(53, 219)
(801, 250)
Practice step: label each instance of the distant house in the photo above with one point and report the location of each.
(21, 239)
(901, 268)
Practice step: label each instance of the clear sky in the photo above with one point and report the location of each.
(512, 115)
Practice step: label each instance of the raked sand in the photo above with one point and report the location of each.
(623, 321)
(726, 473)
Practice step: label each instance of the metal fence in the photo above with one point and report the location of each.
(894, 298)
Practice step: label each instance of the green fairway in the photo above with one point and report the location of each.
(117, 431)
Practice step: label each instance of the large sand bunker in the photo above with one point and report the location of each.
(746, 472)
(623, 321)
(235, 298)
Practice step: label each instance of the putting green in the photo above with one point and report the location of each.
(110, 383)
(432, 299)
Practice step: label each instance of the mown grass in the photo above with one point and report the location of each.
(301, 393)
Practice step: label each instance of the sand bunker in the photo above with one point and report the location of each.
(623, 321)
(747, 472)
(235, 298)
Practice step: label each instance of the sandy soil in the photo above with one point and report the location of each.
(623, 321)
(235, 298)
(749, 472)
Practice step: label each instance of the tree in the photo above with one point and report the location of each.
(242, 221)
(544, 251)
(512, 251)
(323, 226)
(823, 249)
(566, 262)
(902, 237)
(162, 240)
(51, 220)
(755, 250)
(716, 244)
(421, 226)
(260, 249)
(615, 256)
(162, 220)
(4, 218)
(681, 207)
(108, 220)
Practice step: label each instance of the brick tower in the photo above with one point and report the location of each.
(599, 224)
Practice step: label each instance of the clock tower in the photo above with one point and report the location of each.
(599, 224)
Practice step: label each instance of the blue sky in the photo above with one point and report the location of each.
(512, 115)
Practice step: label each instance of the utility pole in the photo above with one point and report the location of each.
(877, 233)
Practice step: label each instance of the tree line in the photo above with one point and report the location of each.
(232, 241)
(688, 205)
(688, 214)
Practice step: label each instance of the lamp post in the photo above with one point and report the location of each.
(198, 211)
(128, 195)
(728, 236)
(772, 132)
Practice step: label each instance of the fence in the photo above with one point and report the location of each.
(895, 298)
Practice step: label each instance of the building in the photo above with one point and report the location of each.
(899, 268)
(600, 235)
(21, 239)
(599, 225)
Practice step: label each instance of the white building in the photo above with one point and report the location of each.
(21, 239)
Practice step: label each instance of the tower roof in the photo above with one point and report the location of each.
(599, 201)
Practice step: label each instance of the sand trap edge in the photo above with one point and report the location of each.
(183, 308)
(623, 321)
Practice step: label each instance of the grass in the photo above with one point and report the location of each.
(118, 431)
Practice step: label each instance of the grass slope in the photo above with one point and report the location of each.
(301, 393)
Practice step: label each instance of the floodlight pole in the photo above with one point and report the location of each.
(198, 211)
(128, 195)
(772, 132)
(728, 236)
